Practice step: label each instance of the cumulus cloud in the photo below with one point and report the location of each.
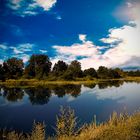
(46, 4)
(125, 41)
(85, 49)
(32, 7)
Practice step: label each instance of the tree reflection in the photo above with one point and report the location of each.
(59, 91)
(13, 94)
(90, 85)
(73, 90)
(42, 95)
(39, 95)
(107, 84)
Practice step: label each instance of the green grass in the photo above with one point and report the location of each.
(118, 127)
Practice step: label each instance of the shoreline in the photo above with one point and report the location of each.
(35, 82)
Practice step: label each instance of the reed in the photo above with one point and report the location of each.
(118, 127)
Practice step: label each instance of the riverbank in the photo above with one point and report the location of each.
(35, 82)
(118, 127)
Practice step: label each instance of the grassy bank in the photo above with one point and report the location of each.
(118, 127)
(35, 82)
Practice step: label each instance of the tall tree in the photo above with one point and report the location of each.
(59, 68)
(1, 73)
(13, 68)
(73, 71)
(102, 72)
(90, 72)
(39, 65)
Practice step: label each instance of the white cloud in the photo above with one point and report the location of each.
(2, 46)
(24, 8)
(24, 57)
(43, 51)
(15, 50)
(22, 48)
(19, 51)
(85, 49)
(129, 5)
(82, 37)
(46, 4)
(126, 47)
(58, 17)
(128, 11)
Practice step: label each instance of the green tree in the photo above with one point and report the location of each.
(39, 65)
(90, 72)
(114, 73)
(73, 71)
(1, 73)
(59, 68)
(75, 68)
(120, 72)
(103, 72)
(13, 68)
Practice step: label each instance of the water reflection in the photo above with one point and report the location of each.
(42, 103)
(13, 94)
(38, 96)
(110, 84)
(42, 95)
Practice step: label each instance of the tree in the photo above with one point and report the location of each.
(75, 68)
(13, 68)
(90, 72)
(120, 72)
(73, 71)
(38, 66)
(102, 72)
(59, 68)
(1, 73)
(133, 73)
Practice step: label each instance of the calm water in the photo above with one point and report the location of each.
(20, 107)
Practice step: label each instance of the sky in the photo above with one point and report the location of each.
(94, 32)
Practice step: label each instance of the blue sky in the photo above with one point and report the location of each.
(91, 31)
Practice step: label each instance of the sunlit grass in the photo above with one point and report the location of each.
(118, 127)
(35, 82)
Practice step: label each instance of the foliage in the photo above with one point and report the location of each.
(102, 72)
(133, 73)
(73, 71)
(90, 72)
(38, 66)
(105, 73)
(59, 68)
(1, 73)
(13, 68)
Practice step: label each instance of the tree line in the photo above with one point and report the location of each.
(39, 66)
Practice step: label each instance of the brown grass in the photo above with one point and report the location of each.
(119, 127)
(35, 82)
